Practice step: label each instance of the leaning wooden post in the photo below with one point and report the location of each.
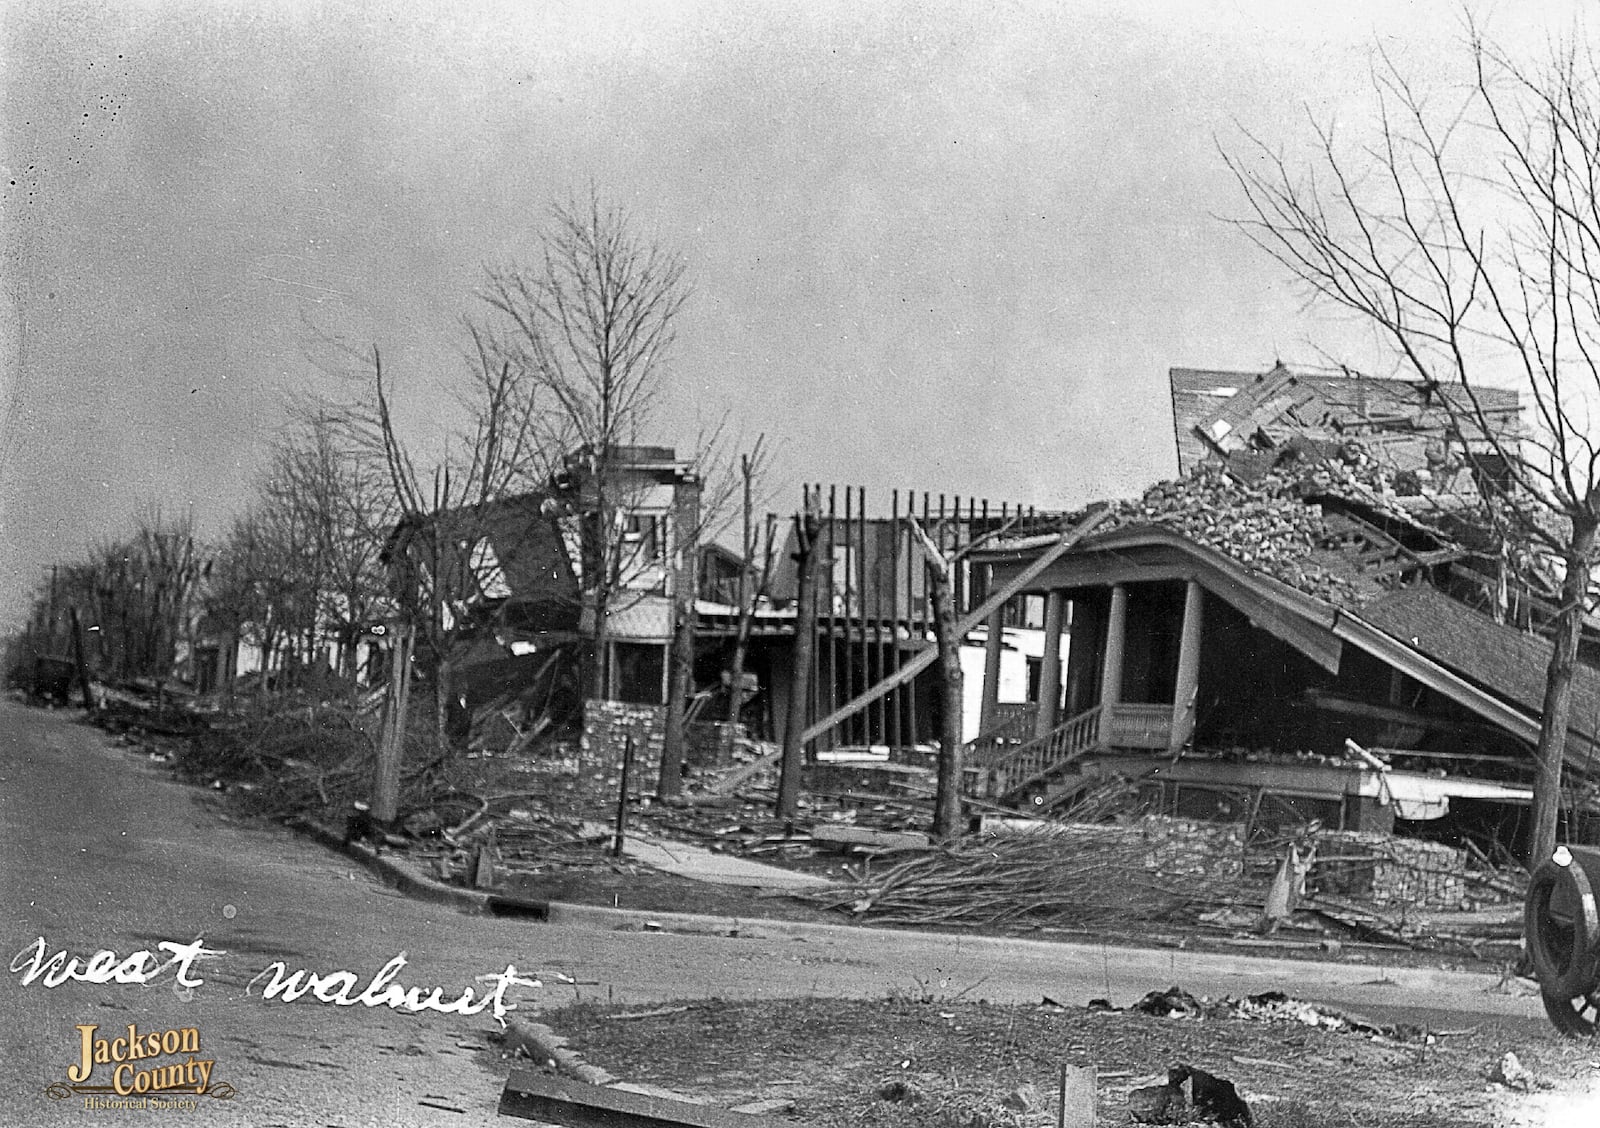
(809, 534)
(617, 837)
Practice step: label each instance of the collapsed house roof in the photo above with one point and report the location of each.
(1414, 431)
(1506, 660)
(1292, 508)
(1491, 670)
(512, 555)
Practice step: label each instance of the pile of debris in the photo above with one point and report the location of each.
(1263, 524)
(1190, 877)
(1269, 1006)
(1009, 880)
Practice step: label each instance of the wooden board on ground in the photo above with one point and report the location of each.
(837, 834)
(557, 1100)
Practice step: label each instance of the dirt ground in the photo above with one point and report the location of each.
(917, 1059)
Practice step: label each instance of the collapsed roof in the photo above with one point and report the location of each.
(1422, 438)
(1357, 493)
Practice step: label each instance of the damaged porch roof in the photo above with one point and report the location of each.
(1493, 671)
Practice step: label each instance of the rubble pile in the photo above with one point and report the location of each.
(1264, 525)
(1268, 1006)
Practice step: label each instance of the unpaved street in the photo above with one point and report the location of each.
(105, 851)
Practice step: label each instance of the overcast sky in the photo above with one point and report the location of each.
(953, 247)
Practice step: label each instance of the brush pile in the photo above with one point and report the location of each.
(310, 760)
(1026, 879)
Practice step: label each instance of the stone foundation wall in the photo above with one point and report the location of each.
(1393, 871)
(1376, 869)
(708, 745)
(607, 726)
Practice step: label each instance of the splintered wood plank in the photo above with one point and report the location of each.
(553, 1099)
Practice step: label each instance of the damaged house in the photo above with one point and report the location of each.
(1310, 624)
(513, 581)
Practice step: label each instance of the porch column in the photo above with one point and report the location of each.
(1111, 662)
(991, 665)
(1188, 682)
(1050, 670)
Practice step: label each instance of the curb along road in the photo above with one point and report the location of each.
(1427, 988)
(1432, 997)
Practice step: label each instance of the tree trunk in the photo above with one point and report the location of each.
(747, 601)
(741, 647)
(805, 642)
(441, 704)
(599, 659)
(1557, 694)
(391, 747)
(947, 797)
(680, 686)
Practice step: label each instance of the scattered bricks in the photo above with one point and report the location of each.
(1264, 525)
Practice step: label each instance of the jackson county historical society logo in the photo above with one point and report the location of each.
(146, 1070)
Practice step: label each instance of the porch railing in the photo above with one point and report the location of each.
(1014, 727)
(1138, 726)
(1020, 766)
(1005, 769)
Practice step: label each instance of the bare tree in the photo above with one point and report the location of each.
(941, 563)
(255, 593)
(346, 511)
(593, 321)
(1468, 236)
(753, 580)
(442, 508)
(814, 548)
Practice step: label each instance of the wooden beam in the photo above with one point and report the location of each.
(557, 1100)
(1326, 702)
